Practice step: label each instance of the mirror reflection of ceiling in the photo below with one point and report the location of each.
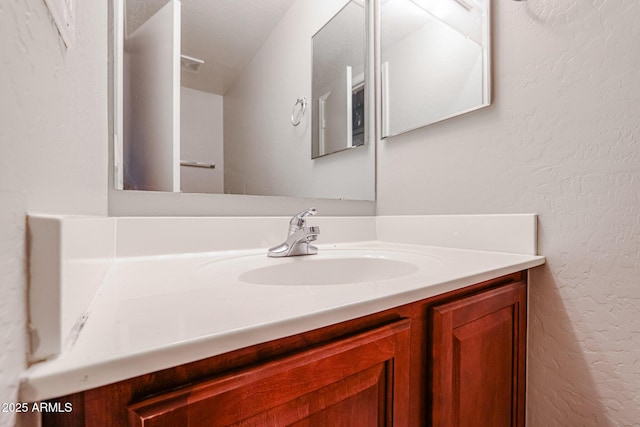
(225, 34)
(341, 45)
(414, 14)
(434, 61)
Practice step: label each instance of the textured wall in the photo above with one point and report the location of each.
(560, 140)
(53, 146)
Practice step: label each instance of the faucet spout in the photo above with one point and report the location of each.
(299, 237)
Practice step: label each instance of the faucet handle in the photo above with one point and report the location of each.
(307, 212)
(299, 220)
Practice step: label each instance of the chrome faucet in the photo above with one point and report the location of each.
(299, 237)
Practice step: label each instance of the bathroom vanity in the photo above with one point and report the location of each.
(404, 321)
(395, 321)
(453, 359)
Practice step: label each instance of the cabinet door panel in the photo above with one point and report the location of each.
(356, 380)
(355, 399)
(478, 355)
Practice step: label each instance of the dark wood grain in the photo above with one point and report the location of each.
(478, 357)
(354, 379)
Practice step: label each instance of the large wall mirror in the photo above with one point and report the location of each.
(236, 97)
(435, 61)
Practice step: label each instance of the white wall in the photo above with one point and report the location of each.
(201, 140)
(53, 146)
(561, 140)
(260, 141)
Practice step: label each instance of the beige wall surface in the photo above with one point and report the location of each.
(53, 146)
(560, 140)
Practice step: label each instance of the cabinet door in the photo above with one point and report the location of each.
(478, 359)
(357, 381)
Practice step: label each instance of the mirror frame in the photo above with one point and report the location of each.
(157, 203)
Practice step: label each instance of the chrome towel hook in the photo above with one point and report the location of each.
(295, 119)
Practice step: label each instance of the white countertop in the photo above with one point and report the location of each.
(156, 312)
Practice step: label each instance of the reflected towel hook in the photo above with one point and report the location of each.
(303, 102)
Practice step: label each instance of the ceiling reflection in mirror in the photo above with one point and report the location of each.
(434, 61)
(210, 94)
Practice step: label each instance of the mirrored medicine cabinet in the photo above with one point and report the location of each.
(434, 61)
(276, 98)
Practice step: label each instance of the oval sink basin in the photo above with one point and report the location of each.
(310, 271)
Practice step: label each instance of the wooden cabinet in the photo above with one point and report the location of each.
(456, 359)
(478, 359)
(360, 380)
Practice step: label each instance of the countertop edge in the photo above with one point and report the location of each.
(47, 380)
